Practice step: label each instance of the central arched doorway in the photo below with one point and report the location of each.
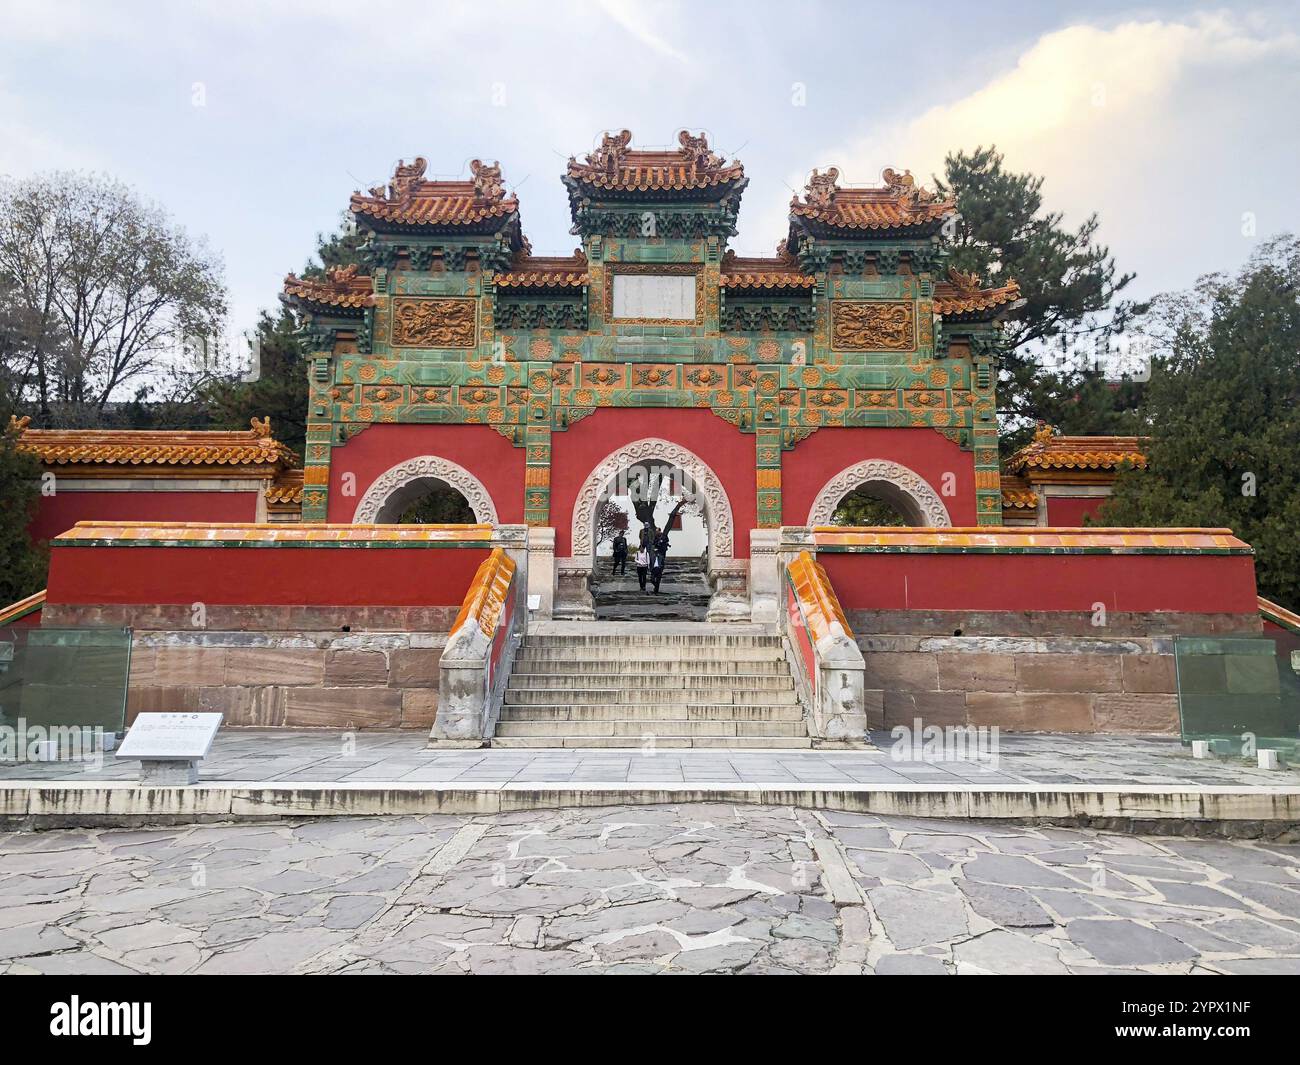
(650, 480)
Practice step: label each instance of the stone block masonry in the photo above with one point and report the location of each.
(1022, 684)
(295, 680)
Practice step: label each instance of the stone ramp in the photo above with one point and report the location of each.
(602, 684)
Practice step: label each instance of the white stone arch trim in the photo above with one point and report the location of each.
(399, 476)
(879, 471)
(717, 506)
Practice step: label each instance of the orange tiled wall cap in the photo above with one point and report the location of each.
(485, 601)
(821, 608)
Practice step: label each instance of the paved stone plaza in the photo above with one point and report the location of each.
(698, 888)
(324, 756)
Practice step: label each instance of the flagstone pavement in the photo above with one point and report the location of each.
(324, 756)
(648, 889)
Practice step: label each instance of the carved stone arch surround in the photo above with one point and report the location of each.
(420, 468)
(907, 483)
(718, 516)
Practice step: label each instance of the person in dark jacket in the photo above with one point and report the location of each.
(659, 556)
(620, 554)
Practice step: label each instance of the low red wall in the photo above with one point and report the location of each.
(293, 576)
(1206, 583)
(60, 512)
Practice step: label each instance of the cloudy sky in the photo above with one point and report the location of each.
(253, 122)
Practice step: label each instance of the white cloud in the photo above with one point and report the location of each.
(634, 16)
(1170, 130)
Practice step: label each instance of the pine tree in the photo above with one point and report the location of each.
(1223, 411)
(22, 564)
(1068, 282)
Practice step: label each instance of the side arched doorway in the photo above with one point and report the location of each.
(416, 485)
(898, 488)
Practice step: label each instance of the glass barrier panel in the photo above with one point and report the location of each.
(55, 681)
(1239, 692)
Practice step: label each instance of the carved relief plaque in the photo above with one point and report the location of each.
(873, 326)
(434, 323)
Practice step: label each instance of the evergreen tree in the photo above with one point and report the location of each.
(1223, 411)
(1068, 282)
(22, 563)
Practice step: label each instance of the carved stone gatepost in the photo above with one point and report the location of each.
(573, 598)
(541, 570)
(764, 576)
(729, 580)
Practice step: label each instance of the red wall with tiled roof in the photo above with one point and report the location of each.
(61, 511)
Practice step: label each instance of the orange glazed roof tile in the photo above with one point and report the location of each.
(780, 272)
(901, 203)
(153, 533)
(1051, 452)
(539, 271)
(1017, 494)
(961, 294)
(342, 287)
(614, 167)
(129, 447)
(286, 489)
(411, 201)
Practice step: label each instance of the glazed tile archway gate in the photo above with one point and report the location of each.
(453, 321)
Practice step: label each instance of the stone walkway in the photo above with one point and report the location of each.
(320, 756)
(693, 889)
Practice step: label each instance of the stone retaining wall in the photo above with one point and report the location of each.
(299, 680)
(1023, 684)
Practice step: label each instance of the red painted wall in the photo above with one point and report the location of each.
(257, 576)
(480, 449)
(1068, 512)
(1197, 584)
(727, 451)
(813, 462)
(60, 512)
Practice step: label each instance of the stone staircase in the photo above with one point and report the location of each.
(626, 685)
(683, 594)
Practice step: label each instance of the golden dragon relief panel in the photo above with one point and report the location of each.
(434, 323)
(873, 326)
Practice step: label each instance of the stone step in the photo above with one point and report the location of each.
(666, 645)
(671, 679)
(630, 742)
(641, 730)
(792, 712)
(659, 696)
(682, 709)
(581, 668)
